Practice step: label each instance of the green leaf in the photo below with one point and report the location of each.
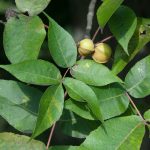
(119, 134)
(37, 72)
(140, 38)
(29, 35)
(138, 79)
(93, 73)
(17, 116)
(20, 94)
(75, 126)
(72, 91)
(62, 47)
(85, 93)
(33, 7)
(81, 109)
(50, 108)
(123, 24)
(147, 115)
(120, 60)
(19, 105)
(106, 10)
(112, 100)
(4, 5)
(64, 148)
(19, 142)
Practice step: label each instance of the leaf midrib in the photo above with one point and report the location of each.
(131, 131)
(113, 79)
(130, 89)
(75, 92)
(22, 72)
(58, 44)
(107, 99)
(46, 113)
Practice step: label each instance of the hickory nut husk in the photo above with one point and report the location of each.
(86, 47)
(102, 53)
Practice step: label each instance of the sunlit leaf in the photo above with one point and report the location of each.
(81, 109)
(93, 73)
(23, 38)
(84, 93)
(123, 24)
(140, 38)
(50, 108)
(147, 115)
(119, 134)
(112, 100)
(106, 10)
(37, 72)
(62, 47)
(138, 79)
(33, 7)
(19, 142)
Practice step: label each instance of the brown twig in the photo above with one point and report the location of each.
(65, 73)
(50, 136)
(106, 39)
(96, 33)
(46, 26)
(138, 112)
(65, 95)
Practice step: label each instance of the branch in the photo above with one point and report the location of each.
(95, 34)
(90, 16)
(106, 39)
(46, 26)
(65, 73)
(138, 112)
(50, 136)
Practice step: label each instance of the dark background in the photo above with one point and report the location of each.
(71, 15)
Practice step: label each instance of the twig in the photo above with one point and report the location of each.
(46, 26)
(65, 73)
(106, 39)
(95, 34)
(50, 136)
(65, 94)
(90, 16)
(82, 57)
(138, 112)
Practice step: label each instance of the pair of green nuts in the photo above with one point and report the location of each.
(101, 52)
